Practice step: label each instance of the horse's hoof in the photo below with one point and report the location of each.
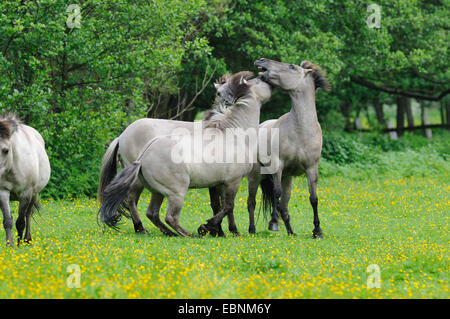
(319, 235)
(273, 226)
(234, 231)
(202, 230)
(214, 233)
(220, 233)
(142, 231)
(170, 234)
(251, 230)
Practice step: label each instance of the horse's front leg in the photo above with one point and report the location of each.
(215, 200)
(25, 209)
(229, 194)
(286, 185)
(312, 175)
(7, 218)
(253, 182)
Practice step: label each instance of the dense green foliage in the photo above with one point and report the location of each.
(81, 86)
(365, 157)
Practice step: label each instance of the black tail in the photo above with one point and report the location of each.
(267, 188)
(113, 205)
(109, 168)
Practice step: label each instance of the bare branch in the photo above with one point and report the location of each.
(205, 83)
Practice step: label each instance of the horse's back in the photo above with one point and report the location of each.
(134, 138)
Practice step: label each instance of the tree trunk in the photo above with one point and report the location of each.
(345, 110)
(425, 121)
(378, 106)
(401, 107)
(409, 114)
(447, 112)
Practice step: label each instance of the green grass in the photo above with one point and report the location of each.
(399, 224)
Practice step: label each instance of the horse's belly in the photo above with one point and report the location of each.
(207, 175)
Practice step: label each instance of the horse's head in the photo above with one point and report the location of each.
(244, 84)
(229, 87)
(5, 140)
(8, 125)
(291, 77)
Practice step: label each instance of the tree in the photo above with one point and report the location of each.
(80, 85)
(406, 55)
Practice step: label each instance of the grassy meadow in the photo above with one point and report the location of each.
(398, 223)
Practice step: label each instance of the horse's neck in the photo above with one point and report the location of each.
(303, 113)
(245, 114)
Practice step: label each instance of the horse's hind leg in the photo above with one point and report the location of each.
(175, 202)
(286, 185)
(153, 214)
(7, 218)
(133, 198)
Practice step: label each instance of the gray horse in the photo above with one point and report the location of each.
(136, 135)
(300, 141)
(24, 172)
(164, 177)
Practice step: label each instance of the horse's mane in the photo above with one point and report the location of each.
(239, 90)
(218, 111)
(8, 124)
(223, 79)
(320, 80)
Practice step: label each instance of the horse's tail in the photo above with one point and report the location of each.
(109, 168)
(36, 206)
(267, 188)
(113, 205)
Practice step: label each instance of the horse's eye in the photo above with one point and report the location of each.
(5, 151)
(291, 66)
(218, 93)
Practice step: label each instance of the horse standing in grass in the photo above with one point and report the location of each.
(24, 172)
(135, 137)
(300, 141)
(156, 169)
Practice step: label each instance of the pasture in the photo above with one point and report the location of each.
(397, 223)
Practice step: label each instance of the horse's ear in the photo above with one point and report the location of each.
(243, 80)
(216, 85)
(5, 129)
(307, 71)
